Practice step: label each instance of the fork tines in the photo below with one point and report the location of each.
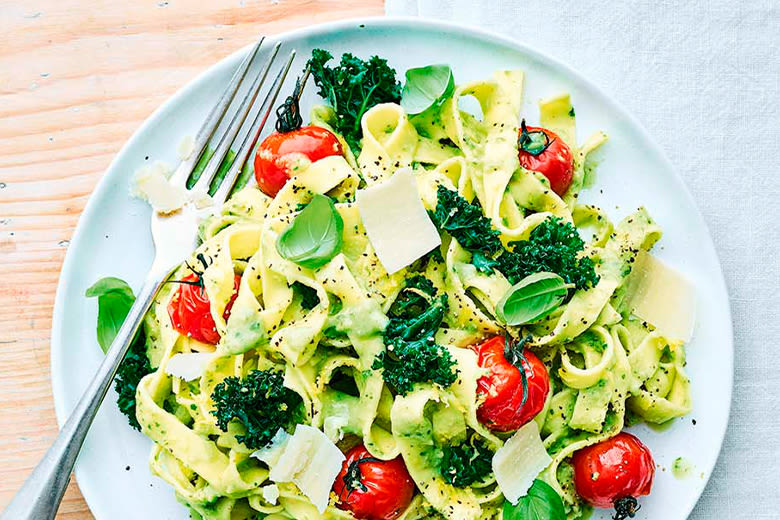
(228, 135)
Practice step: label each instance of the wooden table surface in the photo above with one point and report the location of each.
(77, 77)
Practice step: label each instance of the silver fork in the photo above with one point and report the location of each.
(175, 237)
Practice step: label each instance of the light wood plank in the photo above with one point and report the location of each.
(77, 77)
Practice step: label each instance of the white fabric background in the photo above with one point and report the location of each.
(703, 76)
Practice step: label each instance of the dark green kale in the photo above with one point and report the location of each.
(464, 464)
(309, 298)
(259, 402)
(352, 88)
(412, 356)
(465, 222)
(130, 372)
(553, 246)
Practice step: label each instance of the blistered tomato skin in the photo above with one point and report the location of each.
(555, 162)
(278, 153)
(502, 389)
(373, 489)
(613, 469)
(190, 310)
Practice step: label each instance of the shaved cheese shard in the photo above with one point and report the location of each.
(660, 296)
(307, 458)
(271, 452)
(186, 147)
(270, 493)
(518, 462)
(395, 219)
(152, 184)
(189, 366)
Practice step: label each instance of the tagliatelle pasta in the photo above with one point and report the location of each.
(603, 362)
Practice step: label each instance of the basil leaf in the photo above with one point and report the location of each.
(426, 87)
(532, 298)
(115, 298)
(314, 237)
(541, 503)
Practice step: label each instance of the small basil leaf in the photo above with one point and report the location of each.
(114, 301)
(541, 503)
(532, 298)
(314, 237)
(426, 87)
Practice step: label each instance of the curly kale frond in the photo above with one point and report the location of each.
(259, 402)
(353, 87)
(412, 356)
(464, 464)
(130, 372)
(465, 222)
(553, 246)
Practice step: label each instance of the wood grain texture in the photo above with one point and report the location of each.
(77, 77)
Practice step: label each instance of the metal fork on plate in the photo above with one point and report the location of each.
(175, 237)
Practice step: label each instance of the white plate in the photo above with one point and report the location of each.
(112, 238)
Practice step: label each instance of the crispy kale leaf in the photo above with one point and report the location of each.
(467, 463)
(553, 246)
(259, 402)
(412, 356)
(352, 88)
(466, 223)
(130, 372)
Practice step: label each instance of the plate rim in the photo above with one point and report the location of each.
(400, 23)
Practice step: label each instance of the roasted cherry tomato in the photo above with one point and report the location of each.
(279, 152)
(503, 409)
(542, 151)
(373, 489)
(613, 473)
(190, 310)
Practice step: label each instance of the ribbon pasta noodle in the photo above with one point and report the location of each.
(604, 363)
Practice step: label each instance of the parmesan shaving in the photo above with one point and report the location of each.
(189, 366)
(395, 219)
(308, 459)
(660, 296)
(518, 462)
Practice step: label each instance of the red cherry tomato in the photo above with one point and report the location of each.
(190, 310)
(502, 389)
(373, 489)
(614, 472)
(278, 151)
(542, 151)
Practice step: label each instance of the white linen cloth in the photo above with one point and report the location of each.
(703, 76)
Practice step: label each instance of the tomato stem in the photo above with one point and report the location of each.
(513, 352)
(626, 507)
(288, 115)
(534, 143)
(353, 478)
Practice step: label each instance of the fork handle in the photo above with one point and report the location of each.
(40, 496)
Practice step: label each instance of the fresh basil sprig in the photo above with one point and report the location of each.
(115, 298)
(426, 87)
(314, 237)
(541, 503)
(532, 298)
